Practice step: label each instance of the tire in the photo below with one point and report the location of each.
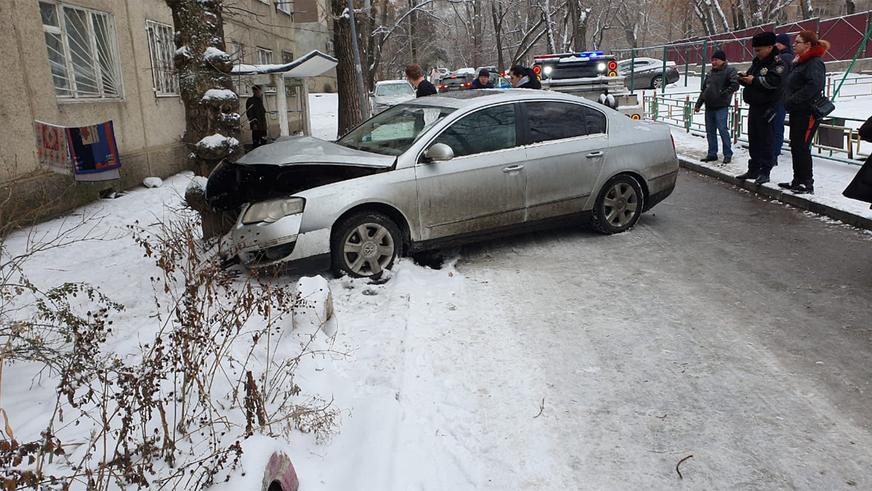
(618, 206)
(657, 82)
(368, 257)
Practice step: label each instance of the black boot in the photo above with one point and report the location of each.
(747, 175)
(727, 160)
(708, 158)
(787, 185)
(761, 179)
(803, 188)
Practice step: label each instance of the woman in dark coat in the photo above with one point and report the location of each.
(524, 78)
(861, 187)
(804, 86)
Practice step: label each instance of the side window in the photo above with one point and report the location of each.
(558, 120)
(487, 130)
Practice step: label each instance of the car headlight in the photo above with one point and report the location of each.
(270, 211)
(600, 67)
(547, 71)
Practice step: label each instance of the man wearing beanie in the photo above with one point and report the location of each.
(717, 93)
(762, 92)
(785, 51)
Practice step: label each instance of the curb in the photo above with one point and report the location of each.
(776, 194)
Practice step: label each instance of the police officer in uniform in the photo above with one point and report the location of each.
(762, 93)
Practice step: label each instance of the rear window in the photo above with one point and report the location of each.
(559, 120)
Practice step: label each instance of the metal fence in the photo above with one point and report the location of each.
(836, 139)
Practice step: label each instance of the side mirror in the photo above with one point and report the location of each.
(439, 152)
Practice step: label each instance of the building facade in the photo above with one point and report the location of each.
(83, 62)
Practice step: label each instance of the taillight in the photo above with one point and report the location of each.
(537, 69)
(613, 65)
(467, 84)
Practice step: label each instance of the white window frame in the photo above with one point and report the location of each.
(262, 53)
(61, 30)
(165, 82)
(284, 6)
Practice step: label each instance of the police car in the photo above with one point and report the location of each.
(587, 64)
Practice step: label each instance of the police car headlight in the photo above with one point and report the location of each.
(600, 67)
(271, 211)
(548, 70)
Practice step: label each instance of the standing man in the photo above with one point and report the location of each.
(785, 51)
(762, 92)
(415, 76)
(256, 114)
(717, 92)
(483, 80)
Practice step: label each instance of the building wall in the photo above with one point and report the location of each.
(314, 31)
(147, 128)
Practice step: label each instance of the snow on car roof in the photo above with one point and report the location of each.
(468, 97)
(389, 82)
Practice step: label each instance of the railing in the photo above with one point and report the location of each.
(836, 138)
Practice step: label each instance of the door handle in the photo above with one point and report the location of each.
(512, 168)
(593, 155)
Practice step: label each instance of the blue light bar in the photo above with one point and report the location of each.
(591, 54)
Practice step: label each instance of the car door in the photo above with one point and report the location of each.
(483, 186)
(567, 143)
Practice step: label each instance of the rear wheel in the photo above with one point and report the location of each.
(618, 206)
(365, 245)
(657, 82)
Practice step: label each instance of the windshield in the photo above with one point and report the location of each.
(394, 90)
(395, 130)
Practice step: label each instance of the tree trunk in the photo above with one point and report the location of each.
(200, 26)
(476, 34)
(497, 17)
(850, 7)
(211, 118)
(349, 98)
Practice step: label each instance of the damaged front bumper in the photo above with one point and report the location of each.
(265, 244)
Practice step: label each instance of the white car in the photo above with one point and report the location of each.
(440, 170)
(389, 93)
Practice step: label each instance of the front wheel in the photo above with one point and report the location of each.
(365, 245)
(618, 206)
(657, 82)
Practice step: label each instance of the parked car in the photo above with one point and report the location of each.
(389, 93)
(456, 81)
(441, 170)
(648, 72)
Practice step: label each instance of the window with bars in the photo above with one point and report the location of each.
(264, 56)
(287, 57)
(284, 6)
(161, 49)
(82, 52)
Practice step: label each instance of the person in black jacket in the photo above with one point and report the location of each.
(483, 80)
(861, 186)
(782, 42)
(804, 87)
(762, 92)
(717, 93)
(524, 78)
(256, 114)
(415, 76)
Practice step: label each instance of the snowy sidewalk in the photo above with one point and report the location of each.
(830, 179)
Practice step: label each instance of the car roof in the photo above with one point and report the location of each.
(483, 97)
(389, 82)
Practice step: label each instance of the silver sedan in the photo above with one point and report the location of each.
(439, 170)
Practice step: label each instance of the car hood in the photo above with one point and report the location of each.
(307, 150)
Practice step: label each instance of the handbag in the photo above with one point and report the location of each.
(821, 107)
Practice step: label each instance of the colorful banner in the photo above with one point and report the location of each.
(52, 149)
(89, 153)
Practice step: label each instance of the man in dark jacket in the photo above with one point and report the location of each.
(524, 78)
(717, 93)
(256, 114)
(762, 92)
(483, 80)
(861, 186)
(785, 51)
(415, 76)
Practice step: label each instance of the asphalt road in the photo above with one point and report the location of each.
(723, 326)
